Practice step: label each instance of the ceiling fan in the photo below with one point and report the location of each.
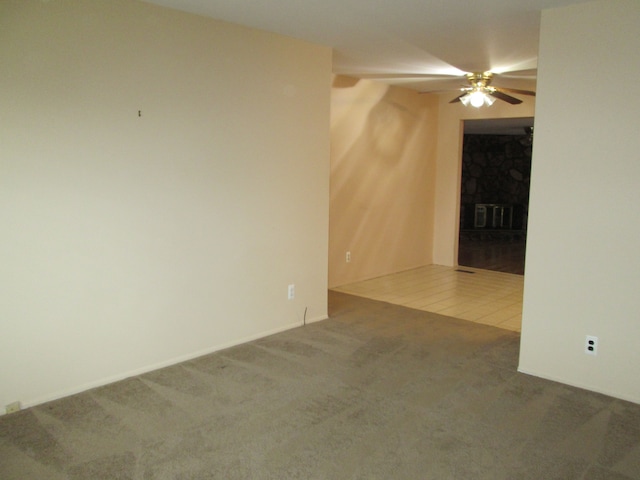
(480, 92)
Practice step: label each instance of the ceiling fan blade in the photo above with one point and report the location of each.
(516, 90)
(458, 89)
(457, 99)
(528, 73)
(507, 98)
(392, 76)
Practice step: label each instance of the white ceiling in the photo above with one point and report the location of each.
(400, 37)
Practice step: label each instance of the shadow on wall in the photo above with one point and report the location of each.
(379, 180)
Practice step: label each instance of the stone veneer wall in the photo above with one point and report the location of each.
(495, 169)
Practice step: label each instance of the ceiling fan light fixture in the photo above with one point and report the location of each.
(488, 100)
(477, 98)
(465, 99)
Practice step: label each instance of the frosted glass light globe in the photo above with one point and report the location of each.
(477, 99)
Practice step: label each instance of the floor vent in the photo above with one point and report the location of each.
(465, 271)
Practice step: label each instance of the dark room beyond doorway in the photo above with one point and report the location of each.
(494, 198)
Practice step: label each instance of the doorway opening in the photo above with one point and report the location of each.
(494, 194)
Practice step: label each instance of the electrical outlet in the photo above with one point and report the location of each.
(348, 257)
(291, 293)
(13, 407)
(591, 345)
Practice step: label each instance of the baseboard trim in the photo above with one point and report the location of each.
(591, 388)
(156, 366)
(317, 319)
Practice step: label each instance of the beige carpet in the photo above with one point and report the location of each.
(376, 392)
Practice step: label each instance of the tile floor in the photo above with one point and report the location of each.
(483, 296)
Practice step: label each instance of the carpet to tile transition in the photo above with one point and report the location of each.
(376, 392)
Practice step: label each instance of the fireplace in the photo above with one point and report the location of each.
(492, 216)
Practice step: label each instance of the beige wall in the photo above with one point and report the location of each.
(383, 143)
(449, 167)
(130, 242)
(583, 266)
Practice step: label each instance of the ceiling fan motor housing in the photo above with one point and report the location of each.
(480, 80)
